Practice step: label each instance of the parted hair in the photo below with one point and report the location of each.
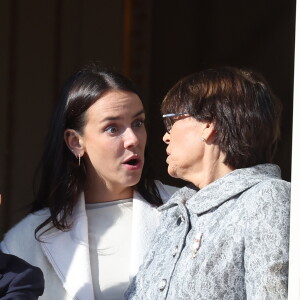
(243, 108)
(61, 180)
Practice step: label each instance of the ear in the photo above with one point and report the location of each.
(208, 130)
(74, 142)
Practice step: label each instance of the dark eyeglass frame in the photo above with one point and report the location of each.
(169, 119)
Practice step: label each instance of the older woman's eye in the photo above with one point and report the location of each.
(138, 123)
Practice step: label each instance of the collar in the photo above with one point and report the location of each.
(68, 252)
(223, 189)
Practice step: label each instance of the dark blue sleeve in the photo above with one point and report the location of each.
(19, 280)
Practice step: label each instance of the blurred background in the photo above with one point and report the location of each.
(153, 42)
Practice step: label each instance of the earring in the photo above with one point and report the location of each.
(203, 139)
(77, 157)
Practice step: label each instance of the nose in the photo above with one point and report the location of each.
(166, 138)
(130, 138)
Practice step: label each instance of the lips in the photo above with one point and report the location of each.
(168, 154)
(133, 162)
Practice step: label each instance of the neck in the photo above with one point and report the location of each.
(215, 172)
(106, 195)
(96, 190)
(212, 169)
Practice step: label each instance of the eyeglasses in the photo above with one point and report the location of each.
(170, 119)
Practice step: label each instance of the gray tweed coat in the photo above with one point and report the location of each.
(228, 240)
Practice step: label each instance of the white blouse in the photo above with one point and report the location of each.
(110, 226)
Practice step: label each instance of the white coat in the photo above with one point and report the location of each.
(63, 256)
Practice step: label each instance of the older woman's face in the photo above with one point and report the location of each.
(185, 149)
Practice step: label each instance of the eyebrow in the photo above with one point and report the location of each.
(118, 118)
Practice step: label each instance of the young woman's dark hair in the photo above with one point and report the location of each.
(61, 178)
(242, 106)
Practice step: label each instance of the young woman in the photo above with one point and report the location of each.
(226, 236)
(95, 211)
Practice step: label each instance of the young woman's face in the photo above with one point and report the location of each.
(114, 139)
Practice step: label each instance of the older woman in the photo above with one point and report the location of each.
(226, 235)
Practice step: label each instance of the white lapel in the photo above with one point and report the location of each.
(145, 220)
(68, 253)
(144, 223)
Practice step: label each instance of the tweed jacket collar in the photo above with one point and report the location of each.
(223, 189)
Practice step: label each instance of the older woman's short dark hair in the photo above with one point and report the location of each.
(239, 102)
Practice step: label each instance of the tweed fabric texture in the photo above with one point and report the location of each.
(228, 240)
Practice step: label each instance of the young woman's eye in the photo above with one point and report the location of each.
(139, 123)
(111, 129)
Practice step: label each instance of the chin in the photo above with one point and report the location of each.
(133, 180)
(172, 172)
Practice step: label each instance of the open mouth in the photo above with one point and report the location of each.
(132, 162)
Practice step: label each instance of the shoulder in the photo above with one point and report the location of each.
(165, 191)
(21, 236)
(267, 207)
(269, 186)
(273, 191)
